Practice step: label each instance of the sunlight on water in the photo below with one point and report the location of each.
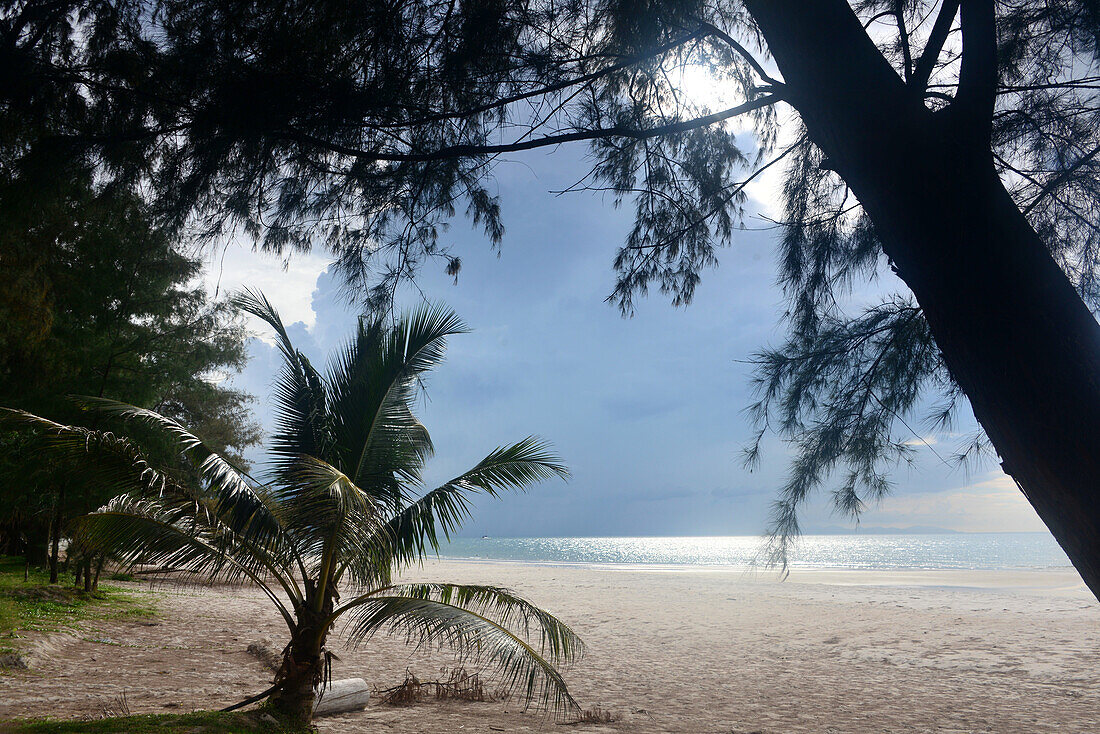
(986, 551)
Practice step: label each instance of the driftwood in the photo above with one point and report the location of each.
(341, 696)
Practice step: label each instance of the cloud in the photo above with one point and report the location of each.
(922, 441)
(645, 411)
(288, 282)
(993, 504)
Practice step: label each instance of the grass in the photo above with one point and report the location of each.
(37, 606)
(199, 722)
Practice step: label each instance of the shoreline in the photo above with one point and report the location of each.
(1051, 577)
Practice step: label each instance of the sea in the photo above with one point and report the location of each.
(972, 551)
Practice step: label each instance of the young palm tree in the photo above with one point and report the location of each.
(344, 511)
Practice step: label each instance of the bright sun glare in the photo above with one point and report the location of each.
(699, 86)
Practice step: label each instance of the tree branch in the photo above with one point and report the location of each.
(469, 150)
(741, 50)
(903, 39)
(1060, 179)
(702, 32)
(936, 38)
(735, 190)
(977, 93)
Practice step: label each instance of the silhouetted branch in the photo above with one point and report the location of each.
(936, 38)
(978, 70)
(735, 190)
(1058, 180)
(741, 51)
(903, 39)
(467, 151)
(703, 31)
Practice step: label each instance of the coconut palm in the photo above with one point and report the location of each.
(342, 513)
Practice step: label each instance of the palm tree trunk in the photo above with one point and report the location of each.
(1013, 332)
(299, 676)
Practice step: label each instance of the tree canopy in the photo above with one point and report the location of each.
(103, 303)
(363, 127)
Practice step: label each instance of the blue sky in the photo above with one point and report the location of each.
(646, 411)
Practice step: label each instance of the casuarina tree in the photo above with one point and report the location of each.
(948, 146)
(99, 301)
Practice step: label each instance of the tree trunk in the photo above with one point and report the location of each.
(1012, 330)
(100, 561)
(300, 675)
(87, 573)
(55, 535)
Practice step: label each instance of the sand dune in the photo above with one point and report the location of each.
(669, 651)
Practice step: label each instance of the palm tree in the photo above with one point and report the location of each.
(343, 512)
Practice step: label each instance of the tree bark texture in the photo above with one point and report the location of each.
(300, 674)
(1011, 328)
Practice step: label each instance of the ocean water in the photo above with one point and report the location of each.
(975, 551)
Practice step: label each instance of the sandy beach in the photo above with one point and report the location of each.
(669, 650)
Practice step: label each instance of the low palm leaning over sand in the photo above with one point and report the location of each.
(344, 511)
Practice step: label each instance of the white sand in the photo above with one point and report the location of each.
(668, 651)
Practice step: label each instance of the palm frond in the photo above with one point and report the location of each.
(109, 460)
(415, 529)
(423, 334)
(374, 381)
(302, 421)
(228, 517)
(147, 531)
(381, 441)
(329, 514)
(256, 303)
(458, 617)
(239, 501)
(557, 640)
(302, 418)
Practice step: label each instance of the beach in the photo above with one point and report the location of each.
(670, 649)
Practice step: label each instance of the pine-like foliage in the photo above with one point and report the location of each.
(364, 127)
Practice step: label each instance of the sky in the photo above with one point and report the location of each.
(648, 411)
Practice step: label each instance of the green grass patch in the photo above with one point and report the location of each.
(35, 605)
(200, 722)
